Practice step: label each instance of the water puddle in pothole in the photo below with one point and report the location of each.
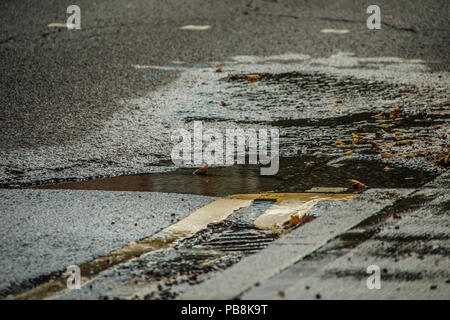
(296, 174)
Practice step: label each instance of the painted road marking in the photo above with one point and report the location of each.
(277, 215)
(57, 25)
(288, 204)
(198, 220)
(195, 27)
(338, 31)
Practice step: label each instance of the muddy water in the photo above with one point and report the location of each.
(296, 174)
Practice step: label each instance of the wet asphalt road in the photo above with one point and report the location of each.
(58, 84)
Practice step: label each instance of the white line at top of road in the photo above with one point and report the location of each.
(57, 25)
(195, 27)
(338, 31)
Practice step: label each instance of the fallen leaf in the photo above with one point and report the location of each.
(306, 219)
(349, 152)
(202, 171)
(193, 276)
(387, 168)
(385, 125)
(378, 115)
(337, 100)
(223, 103)
(395, 112)
(357, 185)
(398, 133)
(403, 143)
(253, 77)
(374, 144)
(233, 76)
(356, 136)
(337, 165)
(219, 69)
(281, 293)
(338, 143)
(396, 216)
(403, 90)
(294, 220)
(387, 155)
(442, 159)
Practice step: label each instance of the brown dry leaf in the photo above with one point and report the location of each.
(442, 159)
(357, 185)
(349, 152)
(374, 144)
(387, 168)
(387, 155)
(403, 143)
(398, 133)
(202, 171)
(193, 276)
(219, 69)
(356, 136)
(396, 216)
(411, 155)
(337, 165)
(306, 219)
(403, 90)
(294, 220)
(395, 112)
(308, 163)
(337, 100)
(213, 151)
(338, 143)
(281, 293)
(253, 77)
(233, 76)
(422, 153)
(378, 115)
(223, 103)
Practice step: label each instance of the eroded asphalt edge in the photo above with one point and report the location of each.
(250, 272)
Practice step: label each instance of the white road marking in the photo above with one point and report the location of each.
(195, 27)
(338, 31)
(57, 25)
